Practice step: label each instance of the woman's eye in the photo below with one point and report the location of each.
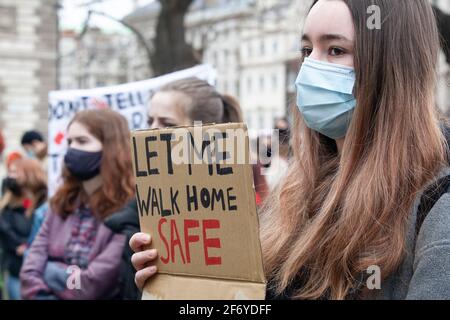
(306, 52)
(336, 51)
(149, 122)
(168, 124)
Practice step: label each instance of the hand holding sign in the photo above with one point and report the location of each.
(196, 199)
(142, 258)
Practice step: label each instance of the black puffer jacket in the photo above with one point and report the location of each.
(126, 222)
(15, 229)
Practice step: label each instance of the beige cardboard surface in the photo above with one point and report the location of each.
(212, 242)
(168, 287)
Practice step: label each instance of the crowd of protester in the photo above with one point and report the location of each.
(85, 227)
(361, 178)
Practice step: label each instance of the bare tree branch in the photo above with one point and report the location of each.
(85, 26)
(136, 32)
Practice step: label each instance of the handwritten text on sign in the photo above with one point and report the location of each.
(182, 156)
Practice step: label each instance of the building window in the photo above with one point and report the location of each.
(225, 34)
(261, 117)
(225, 57)
(261, 83)
(8, 20)
(189, 37)
(249, 84)
(274, 81)
(262, 48)
(214, 58)
(249, 121)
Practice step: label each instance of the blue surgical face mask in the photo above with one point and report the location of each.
(325, 97)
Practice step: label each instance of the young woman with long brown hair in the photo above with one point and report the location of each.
(73, 241)
(362, 158)
(366, 145)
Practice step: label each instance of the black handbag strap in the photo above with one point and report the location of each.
(429, 198)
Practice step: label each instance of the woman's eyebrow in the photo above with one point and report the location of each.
(79, 137)
(305, 37)
(327, 37)
(330, 37)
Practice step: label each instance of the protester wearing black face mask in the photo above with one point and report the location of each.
(96, 183)
(11, 184)
(83, 165)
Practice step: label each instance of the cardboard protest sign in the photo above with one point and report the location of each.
(194, 187)
(130, 100)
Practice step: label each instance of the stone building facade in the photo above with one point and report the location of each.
(28, 65)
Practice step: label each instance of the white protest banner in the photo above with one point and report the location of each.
(130, 100)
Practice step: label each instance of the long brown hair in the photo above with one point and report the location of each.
(336, 215)
(117, 177)
(31, 177)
